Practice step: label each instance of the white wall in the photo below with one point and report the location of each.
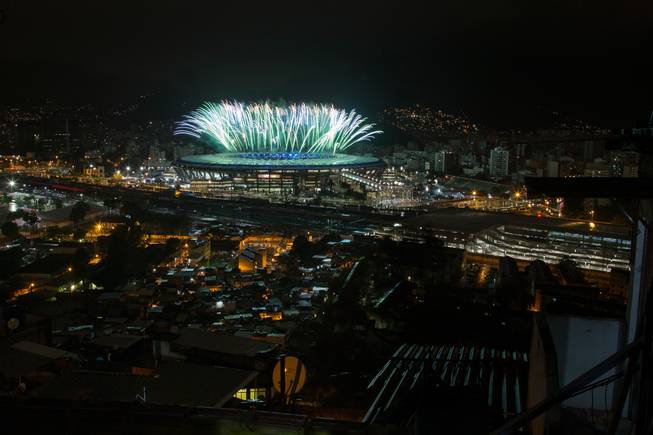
(581, 343)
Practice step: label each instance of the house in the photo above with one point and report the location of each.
(224, 349)
(175, 383)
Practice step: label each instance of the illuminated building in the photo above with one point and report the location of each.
(281, 173)
(597, 169)
(275, 149)
(499, 162)
(257, 251)
(624, 164)
(251, 259)
(596, 250)
(446, 162)
(94, 171)
(277, 244)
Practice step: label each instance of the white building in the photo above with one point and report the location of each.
(499, 162)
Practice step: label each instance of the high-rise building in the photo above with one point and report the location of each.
(597, 168)
(630, 171)
(624, 164)
(499, 162)
(565, 166)
(593, 150)
(446, 162)
(49, 136)
(552, 168)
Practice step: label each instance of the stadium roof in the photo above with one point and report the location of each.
(278, 161)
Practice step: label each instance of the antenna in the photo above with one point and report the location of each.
(143, 398)
(67, 136)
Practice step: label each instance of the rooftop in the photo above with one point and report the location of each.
(277, 161)
(221, 343)
(116, 341)
(472, 221)
(500, 374)
(177, 384)
(25, 357)
(42, 350)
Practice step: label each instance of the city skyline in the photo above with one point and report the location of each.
(393, 218)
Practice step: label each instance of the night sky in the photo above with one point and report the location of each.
(499, 61)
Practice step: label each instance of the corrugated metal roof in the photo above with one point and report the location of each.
(177, 384)
(501, 373)
(42, 350)
(221, 342)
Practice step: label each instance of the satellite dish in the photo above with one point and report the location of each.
(294, 375)
(13, 323)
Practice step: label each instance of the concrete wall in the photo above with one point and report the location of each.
(581, 343)
(542, 374)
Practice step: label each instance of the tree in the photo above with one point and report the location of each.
(31, 218)
(301, 247)
(171, 246)
(10, 229)
(574, 207)
(79, 234)
(111, 203)
(133, 211)
(10, 261)
(126, 256)
(80, 262)
(18, 214)
(54, 231)
(40, 203)
(78, 212)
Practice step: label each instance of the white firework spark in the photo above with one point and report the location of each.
(265, 127)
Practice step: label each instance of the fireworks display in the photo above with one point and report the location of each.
(266, 127)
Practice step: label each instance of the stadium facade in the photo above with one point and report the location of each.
(269, 172)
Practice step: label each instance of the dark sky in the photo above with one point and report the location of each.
(496, 60)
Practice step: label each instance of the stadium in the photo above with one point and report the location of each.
(263, 147)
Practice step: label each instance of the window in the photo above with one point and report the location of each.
(251, 393)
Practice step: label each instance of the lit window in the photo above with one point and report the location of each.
(241, 394)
